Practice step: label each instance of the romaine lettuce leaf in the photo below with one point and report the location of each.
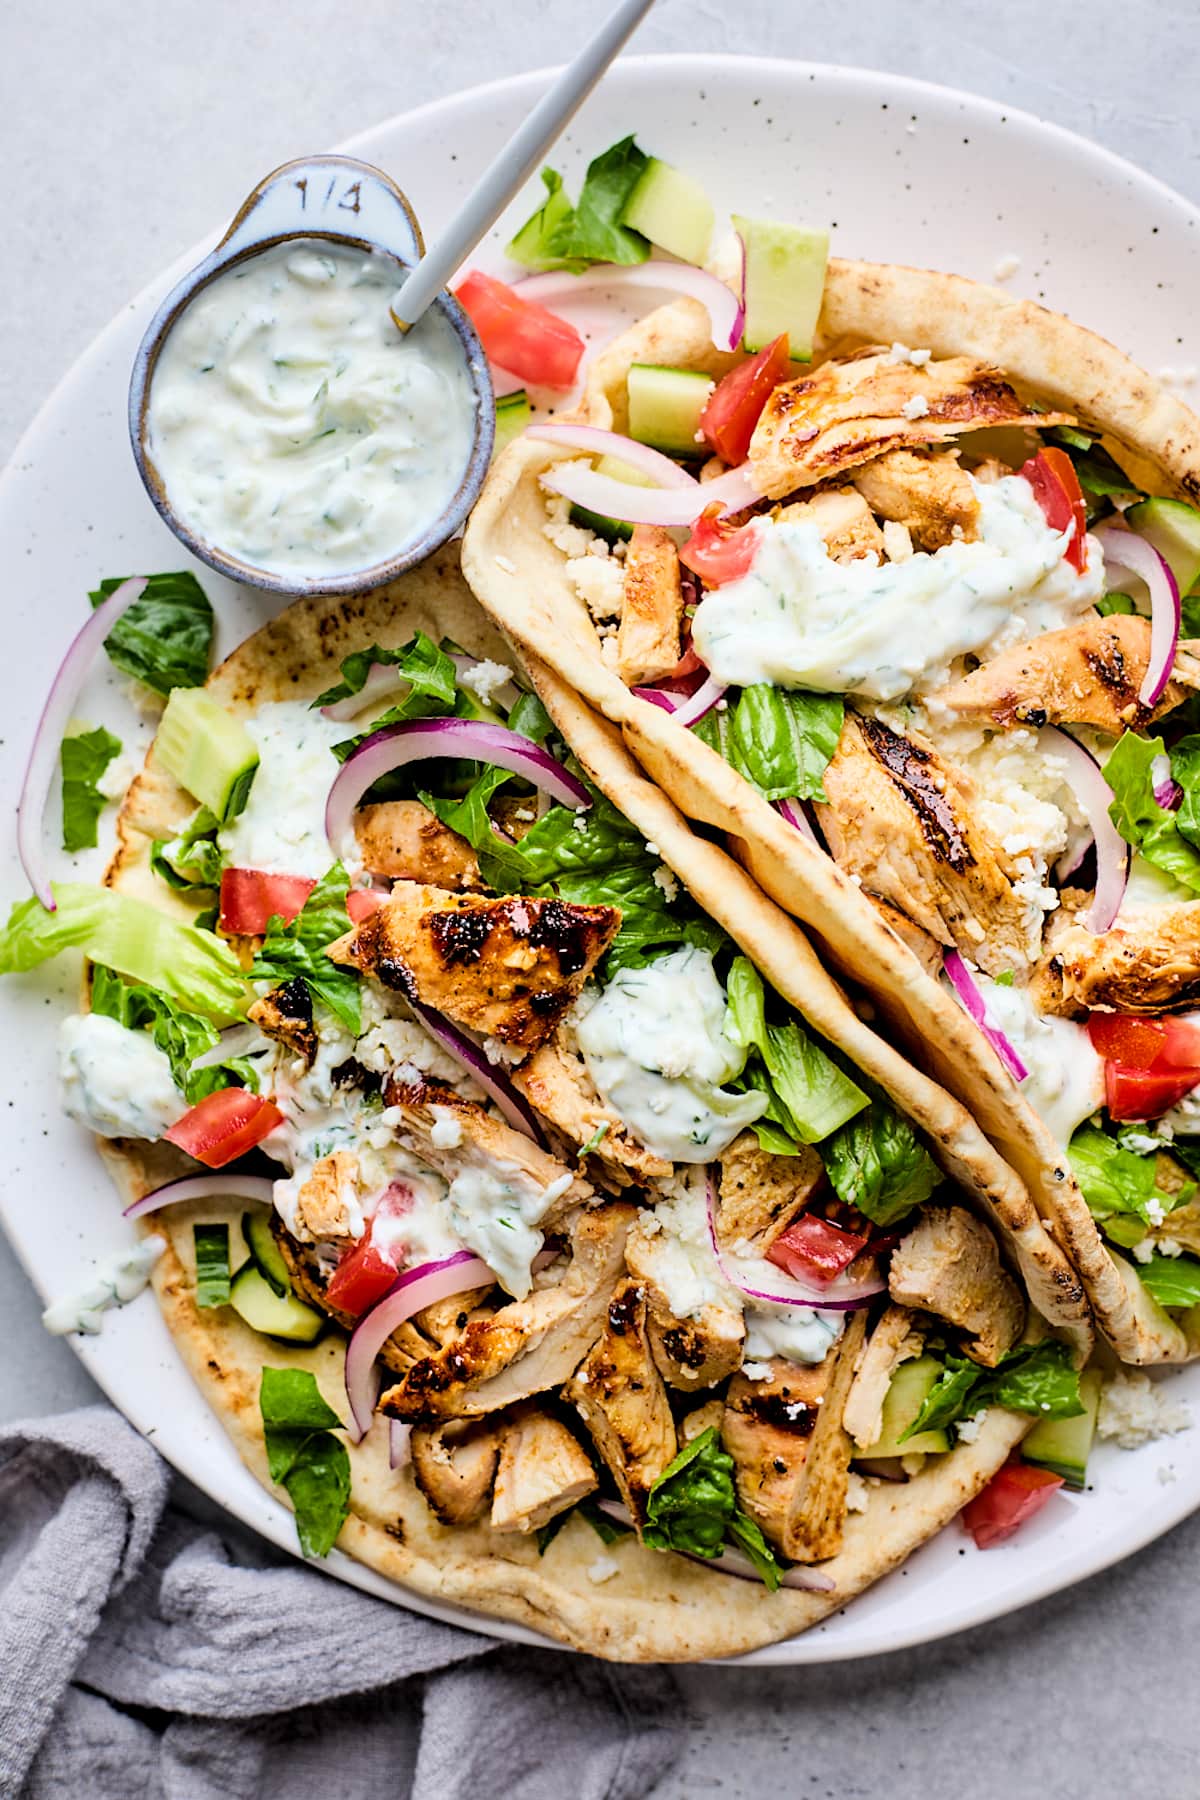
(1141, 821)
(420, 661)
(191, 966)
(878, 1164)
(809, 1096)
(1117, 1183)
(1033, 1378)
(165, 639)
(304, 1457)
(84, 759)
(192, 859)
(782, 741)
(180, 1035)
(1172, 1280)
(532, 246)
(559, 236)
(693, 1507)
(299, 949)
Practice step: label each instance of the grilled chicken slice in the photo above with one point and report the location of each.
(851, 409)
(1088, 673)
(506, 968)
(621, 1399)
(844, 520)
(543, 1470)
(648, 639)
(1148, 962)
(949, 1265)
(327, 1207)
(926, 492)
(528, 1346)
(454, 1465)
(558, 1085)
(701, 1419)
(403, 840)
(430, 1111)
(693, 1353)
(925, 948)
(761, 1194)
(790, 1450)
(896, 1338)
(286, 1014)
(900, 819)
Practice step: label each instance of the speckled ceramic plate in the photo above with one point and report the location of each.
(902, 172)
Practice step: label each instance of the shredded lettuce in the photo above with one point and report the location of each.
(560, 236)
(182, 1036)
(192, 859)
(191, 966)
(781, 742)
(878, 1164)
(1158, 834)
(299, 949)
(1172, 1280)
(84, 759)
(429, 669)
(808, 1095)
(693, 1508)
(1033, 1378)
(165, 639)
(1120, 1185)
(304, 1457)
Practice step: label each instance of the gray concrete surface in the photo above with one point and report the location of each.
(124, 126)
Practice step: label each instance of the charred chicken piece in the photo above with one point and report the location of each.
(1149, 962)
(559, 1086)
(506, 968)
(896, 1338)
(844, 520)
(692, 1353)
(403, 840)
(925, 491)
(621, 1399)
(543, 1470)
(648, 638)
(949, 1265)
(761, 1194)
(454, 1465)
(790, 1449)
(286, 1014)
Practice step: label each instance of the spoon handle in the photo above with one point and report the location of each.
(515, 163)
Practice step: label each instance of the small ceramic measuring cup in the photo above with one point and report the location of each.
(341, 199)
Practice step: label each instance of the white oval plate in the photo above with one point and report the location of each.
(902, 172)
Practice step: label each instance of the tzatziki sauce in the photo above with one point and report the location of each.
(294, 426)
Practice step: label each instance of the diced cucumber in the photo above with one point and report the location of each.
(1173, 527)
(276, 1315)
(1064, 1445)
(910, 1388)
(268, 1257)
(209, 752)
(672, 210)
(785, 279)
(212, 1264)
(665, 407)
(513, 414)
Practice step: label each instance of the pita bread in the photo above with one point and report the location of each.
(520, 577)
(656, 1607)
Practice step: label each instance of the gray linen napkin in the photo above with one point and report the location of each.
(143, 1654)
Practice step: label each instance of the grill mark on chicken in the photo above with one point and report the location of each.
(286, 1013)
(909, 767)
(460, 936)
(786, 1414)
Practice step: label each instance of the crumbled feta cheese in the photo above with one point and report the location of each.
(919, 358)
(1166, 1475)
(1134, 1410)
(664, 879)
(447, 1131)
(756, 1371)
(566, 536)
(599, 582)
(501, 1054)
(603, 1569)
(1154, 1210)
(858, 1494)
(900, 353)
(1144, 1252)
(916, 408)
(118, 777)
(1168, 1246)
(897, 541)
(967, 1430)
(483, 678)
(609, 651)
(1006, 267)
(652, 849)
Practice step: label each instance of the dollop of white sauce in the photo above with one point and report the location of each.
(495, 1208)
(281, 828)
(1065, 1083)
(685, 1266)
(115, 1081)
(293, 425)
(800, 1333)
(799, 619)
(119, 1279)
(655, 1047)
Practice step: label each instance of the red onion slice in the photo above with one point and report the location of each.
(472, 739)
(739, 321)
(1167, 790)
(47, 739)
(732, 1562)
(1124, 549)
(492, 1080)
(699, 704)
(657, 697)
(660, 468)
(649, 506)
(415, 1289)
(229, 1184)
(968, 992)
(793, 811)
(720, 302)
(759, 1279)
(399, 1443)
(1094, 795)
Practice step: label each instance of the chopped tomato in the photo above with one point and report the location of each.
(718, 552)
(224, 1126)
(1051, 475)
(733, 408)
(811, 1249)
(362, 902)
(1132, 1094)
(1133, 1042)
(1182, 1048)
(251, 897)
(1012, 1496)
(363, 1276)
(519, 334)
